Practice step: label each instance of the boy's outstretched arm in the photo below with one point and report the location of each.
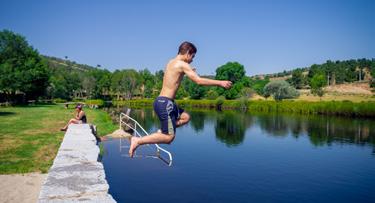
(204, 81)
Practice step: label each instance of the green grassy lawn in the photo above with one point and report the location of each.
(30, 136)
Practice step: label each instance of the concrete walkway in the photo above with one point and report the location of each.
(21, 188)
(76, 175)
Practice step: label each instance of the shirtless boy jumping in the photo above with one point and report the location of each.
(170, 115)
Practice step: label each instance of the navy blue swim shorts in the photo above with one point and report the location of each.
(168, 113)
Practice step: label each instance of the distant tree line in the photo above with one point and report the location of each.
(69, 81)
(26, 75)
(129, 83)
(338, 72)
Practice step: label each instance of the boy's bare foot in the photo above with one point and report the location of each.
(133, 145)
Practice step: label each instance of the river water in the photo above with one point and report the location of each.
(243, 157)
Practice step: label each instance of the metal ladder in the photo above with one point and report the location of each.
(124, 120)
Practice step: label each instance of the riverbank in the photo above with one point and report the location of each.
(336, 108)
(30, 136)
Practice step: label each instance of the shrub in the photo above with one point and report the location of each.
(95, 102)
(212, 94)
(280, 90)
(317, 83)
(243, 102)
(219, 102)
(247, 92)
(58, 100)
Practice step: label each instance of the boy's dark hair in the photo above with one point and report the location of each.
(187, 47)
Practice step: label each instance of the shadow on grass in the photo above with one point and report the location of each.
(6, 113)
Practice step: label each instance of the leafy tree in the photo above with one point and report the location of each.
(234, 72)
(89, 86)
(298, 79)
(234, 92)
(96, 82)
(246, 81)
(315, 69)
(181, 93)
(58, 87)
(125, 83)
(74, 84)
(117, 83)
(159, 75)
(148, 82)
(21, 67)
(64, 84)
(280, 90)
(194, 90)
(104, 84)
(317, 83)
(329, 68)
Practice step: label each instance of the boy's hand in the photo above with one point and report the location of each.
(226, 84)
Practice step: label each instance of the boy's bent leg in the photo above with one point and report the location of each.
(155, 138)
(184, 118)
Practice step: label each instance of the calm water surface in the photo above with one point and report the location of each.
(243, 157)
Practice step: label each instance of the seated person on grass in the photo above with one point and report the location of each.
(79, 118)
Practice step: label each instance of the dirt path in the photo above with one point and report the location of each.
(21, 187)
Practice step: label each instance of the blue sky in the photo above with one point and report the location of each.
(264, 36)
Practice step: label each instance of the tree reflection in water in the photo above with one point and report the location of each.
(198, 120)
(273, 124)
(322, 130)
(230, 126)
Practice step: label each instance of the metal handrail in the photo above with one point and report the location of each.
(122, 115)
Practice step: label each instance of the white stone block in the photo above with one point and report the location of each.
(75, 175)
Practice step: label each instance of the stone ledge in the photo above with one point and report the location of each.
(76, 175)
